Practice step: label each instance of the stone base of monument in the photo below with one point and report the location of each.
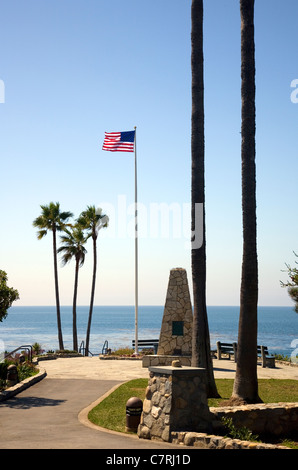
(163, 360)
(175, 400)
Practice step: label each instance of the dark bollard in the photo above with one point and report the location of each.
(22, 358)
(134, 408)
(12, 375)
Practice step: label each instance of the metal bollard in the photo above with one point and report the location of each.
(22, 358)
(134, 408)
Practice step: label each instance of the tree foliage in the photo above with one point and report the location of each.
(7, 295)
(292, 284)
(52, 219)
(73, 242)
(92, 220)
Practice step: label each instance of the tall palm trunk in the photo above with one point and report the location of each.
(54, 220)
(201, 354)
(92, 295)
(74, 306)
(59, 326)
(246, 383)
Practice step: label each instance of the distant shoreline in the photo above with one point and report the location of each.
(146, 305)
(277, 326)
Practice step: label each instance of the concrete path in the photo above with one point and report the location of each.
(52, 414)
(123, 370)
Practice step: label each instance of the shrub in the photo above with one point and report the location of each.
(37, 349)
(243, 433)
(25, 370)
(3, 369)
(123, 352)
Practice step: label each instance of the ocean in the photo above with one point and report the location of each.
(277, 326)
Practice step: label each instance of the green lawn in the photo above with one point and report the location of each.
(111, 412)
(270, 390)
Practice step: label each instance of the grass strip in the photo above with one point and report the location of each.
(111, 412)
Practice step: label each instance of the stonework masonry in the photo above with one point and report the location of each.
(155, 360)
(176, 409)
(175, 340)
(275, 419)
(176, 329)
(175, 400)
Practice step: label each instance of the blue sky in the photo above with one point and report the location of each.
(73, 69)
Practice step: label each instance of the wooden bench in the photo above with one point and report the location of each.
(146, 343)
(268, 360)
(226, 348)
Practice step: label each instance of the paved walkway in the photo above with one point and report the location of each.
(52, 414)
(123, 370)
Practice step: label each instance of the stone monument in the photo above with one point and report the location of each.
(176, 329)
(176, 397)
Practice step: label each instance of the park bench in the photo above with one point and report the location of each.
(226, 348)
(146, 343)
(268, 360)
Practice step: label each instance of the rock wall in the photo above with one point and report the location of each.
(274, 418)
(175, 400)
(209, 441)
(271, 419)
(154, 360)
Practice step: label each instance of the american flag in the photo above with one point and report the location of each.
(119, 141)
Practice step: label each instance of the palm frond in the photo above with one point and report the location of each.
(41, 234)
(51, 218)
(90, 220)
(73, 242)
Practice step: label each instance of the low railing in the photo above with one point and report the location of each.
(26, 347)
(82, 350)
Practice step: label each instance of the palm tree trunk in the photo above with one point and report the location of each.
(246, 383)
(201, 353)
(74, 307)
(92, 296)
(60, 337)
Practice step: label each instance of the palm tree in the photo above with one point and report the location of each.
(73, 247)
(246, 383)
(201, 354)
(52, 219)
(92, 220)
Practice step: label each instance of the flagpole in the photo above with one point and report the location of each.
(136, 247)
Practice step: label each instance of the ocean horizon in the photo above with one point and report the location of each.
(277, 326)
